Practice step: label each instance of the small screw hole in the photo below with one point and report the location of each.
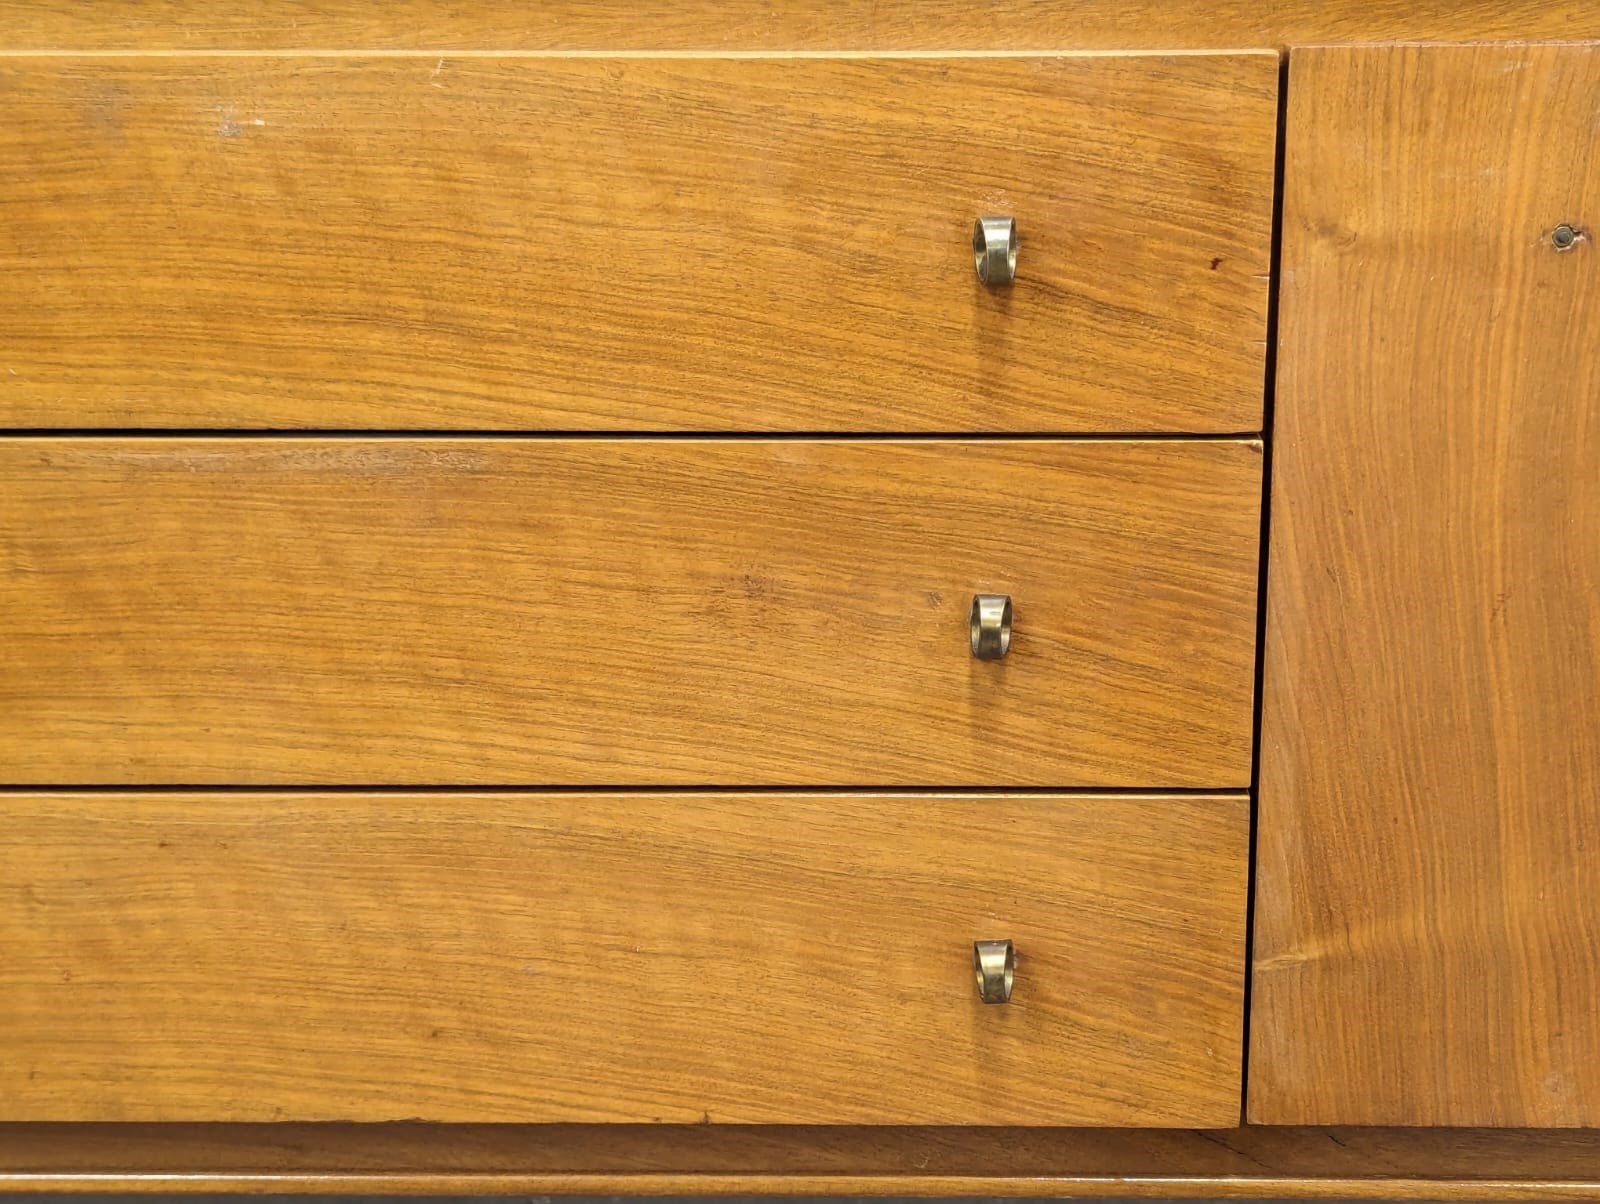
(1563, 237)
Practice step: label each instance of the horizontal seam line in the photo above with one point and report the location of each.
(157, 434)
(1132, 792)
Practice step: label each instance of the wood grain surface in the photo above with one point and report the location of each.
(1259, 1162)
(620, 957)
(190, 25)
(625, 611)
(557, 243)
(1428, 908)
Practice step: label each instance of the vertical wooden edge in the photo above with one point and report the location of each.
(1296, 59)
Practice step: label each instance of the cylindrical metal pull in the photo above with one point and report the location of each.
(995, 965)
(994, 249)
(991, 626)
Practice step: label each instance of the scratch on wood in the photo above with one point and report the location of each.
(231, 127)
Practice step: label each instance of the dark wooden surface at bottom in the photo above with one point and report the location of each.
(1257, 1162)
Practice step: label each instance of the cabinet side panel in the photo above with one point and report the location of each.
(1428, 940)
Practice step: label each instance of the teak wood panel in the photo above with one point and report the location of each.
(594, 611)
(656, 243)
(620, 957)
(698, 25)
(1428, 912)
(1269, 1162)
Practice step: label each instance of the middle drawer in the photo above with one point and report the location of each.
(593, 611)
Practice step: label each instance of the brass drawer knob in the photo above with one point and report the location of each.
(995, 964)
(991, 626)
(994, 249)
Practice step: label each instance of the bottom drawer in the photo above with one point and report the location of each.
(634, 956)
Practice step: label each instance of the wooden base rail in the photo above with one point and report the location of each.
(1256, 1162)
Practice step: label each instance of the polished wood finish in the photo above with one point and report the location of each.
(190, 25)
(1445, 919)
(1428, 909)
(707, 1160)
(659, 243)
(769, 958)
(626, 611)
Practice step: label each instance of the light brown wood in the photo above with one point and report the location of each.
(556, 243)
(1262, 1162)
(621, 957)
(189, 25)
(625, 611)
(1428, 908)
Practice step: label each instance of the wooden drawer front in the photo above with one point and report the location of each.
(678, 243)
(625, 611)
(620, 957)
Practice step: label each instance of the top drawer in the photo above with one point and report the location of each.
(599, 242)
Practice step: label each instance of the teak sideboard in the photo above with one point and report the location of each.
(819, 598)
